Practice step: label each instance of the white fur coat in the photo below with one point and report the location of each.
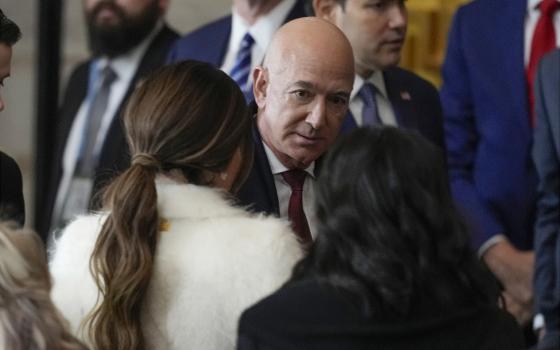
(213, 262)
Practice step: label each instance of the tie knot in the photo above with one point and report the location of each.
(548, 7)
(295, 178)
(247, 41)
(367, 93)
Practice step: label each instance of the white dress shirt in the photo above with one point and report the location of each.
(384, 107)
(262, 32)
(284, 191)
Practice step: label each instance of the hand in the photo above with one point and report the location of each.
(522, 313)
(514, 269)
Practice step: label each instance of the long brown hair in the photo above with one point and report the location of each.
(188, 116)
(28, 318)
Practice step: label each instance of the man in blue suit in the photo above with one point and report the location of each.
(237, 43)
(488, 135)
(383, 93)
(546, 154)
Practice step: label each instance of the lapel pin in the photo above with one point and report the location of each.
(405, 95)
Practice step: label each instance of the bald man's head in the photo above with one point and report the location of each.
(302, 90)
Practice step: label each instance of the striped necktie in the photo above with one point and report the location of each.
(242, 66)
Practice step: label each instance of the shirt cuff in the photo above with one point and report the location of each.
(538, 322)
(489, 243)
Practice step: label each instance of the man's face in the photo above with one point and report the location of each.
(301, 106)
(5, 63)
(376, 29)
(116, 26)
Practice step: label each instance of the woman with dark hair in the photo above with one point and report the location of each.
(170, 263)
(391, 267)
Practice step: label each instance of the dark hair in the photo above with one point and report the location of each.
(389, 232)
(188, 116)
(9, 31)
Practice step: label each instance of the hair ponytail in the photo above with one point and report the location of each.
(122, 260)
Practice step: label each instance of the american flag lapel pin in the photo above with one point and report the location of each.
(405, 95)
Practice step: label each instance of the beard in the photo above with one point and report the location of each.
(118, 38)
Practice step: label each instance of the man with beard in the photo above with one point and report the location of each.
(237, 43)
(128, 39)
(383, 93)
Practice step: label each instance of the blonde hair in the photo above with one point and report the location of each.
(28, 318)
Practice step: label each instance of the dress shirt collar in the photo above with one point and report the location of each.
(277, 167)
(376, 79)
(532, 5)
(263, 29)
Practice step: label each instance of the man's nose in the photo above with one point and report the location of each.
(317, 116)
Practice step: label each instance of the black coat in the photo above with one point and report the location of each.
(11, 197)
(308, 316)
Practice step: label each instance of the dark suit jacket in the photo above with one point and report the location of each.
(210, 42)
(307, 316)
(415, 102)
(486, 119)
(259, 192)
(546, 154)
(11, 196)
(114, 155)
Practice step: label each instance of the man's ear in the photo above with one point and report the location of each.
(260, 84)
(325, 9)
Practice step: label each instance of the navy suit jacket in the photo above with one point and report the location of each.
(415, 102)
(210, 42)
(259, 192)
(114, 155)
(546, 153)
(486, 119)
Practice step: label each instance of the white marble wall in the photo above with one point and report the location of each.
(17, 121)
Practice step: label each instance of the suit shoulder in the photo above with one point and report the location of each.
(8, 165)
(409, 79)
(203, 33)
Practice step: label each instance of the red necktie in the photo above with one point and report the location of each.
(544, 40)
(296, 178)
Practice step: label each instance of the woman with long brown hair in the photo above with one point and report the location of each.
(170, 263)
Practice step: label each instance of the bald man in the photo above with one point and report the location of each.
(301, 98)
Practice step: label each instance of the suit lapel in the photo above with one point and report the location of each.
(400, 99)
(261, 168)
(509, 52)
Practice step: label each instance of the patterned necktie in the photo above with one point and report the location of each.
(242, 66)
(296, 178)
(544, 40)
(370, 114)
(87, 161)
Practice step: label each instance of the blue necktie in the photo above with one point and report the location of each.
(370, 115)
(242, 66)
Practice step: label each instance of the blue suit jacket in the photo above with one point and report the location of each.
(210, 42)
(415, 102)
(546, 153)
(486, 119)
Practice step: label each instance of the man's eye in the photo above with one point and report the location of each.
(301, 94)
(339, 100)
